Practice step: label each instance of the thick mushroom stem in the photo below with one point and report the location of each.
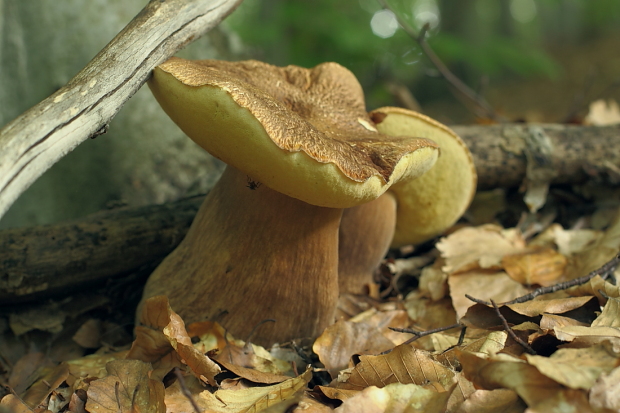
(253, 254)
(366, 232)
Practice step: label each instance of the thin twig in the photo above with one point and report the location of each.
(484, 108)
(420, 334)
(604, 271)
(185, 390)
(509, 330)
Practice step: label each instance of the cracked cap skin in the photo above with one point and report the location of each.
(302, 132)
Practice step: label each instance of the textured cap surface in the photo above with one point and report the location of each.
(302, 132)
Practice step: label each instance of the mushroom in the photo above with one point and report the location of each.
(425, 207)
(299, 147)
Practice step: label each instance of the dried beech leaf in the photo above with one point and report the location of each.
(254, 375)
(570, 333)
(336, 393)
(203, 367)
(564, 401)
(492, 401)
(461, 392)
(603, 112)
(554, 306)
(478, 248)
(41, 390)
(405, 364)
(504, 371)
(127, 388)
(489, 344)
(605, 394)
(594, 287)
(550, 321)
(484, 286)
(610, 316)
(253, 399)
(12, 404)
(345, 338)
(164, 331)
(542, 266)
(396, 398)
(576, 368)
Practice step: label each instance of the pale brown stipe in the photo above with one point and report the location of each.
(271, 250)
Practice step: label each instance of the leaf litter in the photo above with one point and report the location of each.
(550, 343)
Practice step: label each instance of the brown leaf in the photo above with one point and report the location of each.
(335, 393)
(127, 388)
(503, 371)
(541, 266)
(345, 338)
(164, 331)
(27, 370)
(89, 334)
(605, 394)
(576, 368)
(405, 364)
(594, 287)
(610, 316)
(555, 306)
(484, 286)
(550, 321)
(492, 401)
(13, 405)
(253, 399)
(482, 247)
(254, 375)
(39, 392)
(396, 398)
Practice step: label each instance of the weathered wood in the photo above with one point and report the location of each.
(578, 153)
(38, 138)
(45, 260)
(42, 261)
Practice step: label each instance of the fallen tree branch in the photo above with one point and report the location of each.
(41, 261)
(83, 108)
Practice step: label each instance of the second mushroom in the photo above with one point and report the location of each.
(300, 148)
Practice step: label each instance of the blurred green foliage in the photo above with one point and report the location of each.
(496, 39)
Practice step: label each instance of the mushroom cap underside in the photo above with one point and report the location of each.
(302, 132)
(431, 204)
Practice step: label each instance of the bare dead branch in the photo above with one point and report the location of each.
(185, 390)
(483, 108)
(510, 332)
(38, 138)
(420, 334)
(604, 271)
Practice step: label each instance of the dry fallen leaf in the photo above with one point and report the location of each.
(576, 368)
(162, 331)
(478, 248)
(492, 401)
(605, 394)
(497, 286)
(405, 364)
(127, 388)
(396, 398)
(253, 399)
(542, 266)
(603, 113)
(345, 338)
(504, 371)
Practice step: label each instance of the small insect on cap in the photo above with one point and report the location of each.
(302, 132)
(431, 204)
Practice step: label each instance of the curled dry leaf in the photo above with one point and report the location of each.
(497, 286)
(555, 306)
(396, 398)
(405, 364)
(478, 248)
(492, 401)
(594, 287)
(253, 399)
(127, 388)
(576, 368)
(610, 316)
(504, 371)
(538, 267)
(162, 331)
(345, 338)
(605, 394)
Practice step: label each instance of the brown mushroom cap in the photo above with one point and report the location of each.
(302, 132)
(432, 203)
